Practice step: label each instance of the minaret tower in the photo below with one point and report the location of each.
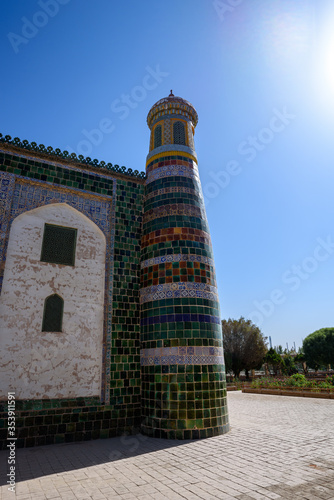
(182, 362)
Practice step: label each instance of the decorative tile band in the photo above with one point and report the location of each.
(177, 258)
(176, 233)
(178, 318)
(165, 278)
(169, 149)
(171, 156)
(185, 163)
(173, 182)
(178, 290)
(169, 190)
(174, 209)
(183, 351)
(182, 356)
(172, 170)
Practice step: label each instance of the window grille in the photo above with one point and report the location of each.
(58, 245)
(157, 136)
(179, 134)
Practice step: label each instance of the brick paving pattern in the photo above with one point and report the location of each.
(278, 448)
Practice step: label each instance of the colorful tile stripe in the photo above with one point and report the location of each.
(173, 318)
(186, 162)
(175, 233)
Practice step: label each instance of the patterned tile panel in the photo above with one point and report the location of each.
(183, 351)
(187, 162)
(172, 170)
(7, 184)
(177, 258)
(148, 359)
(190, 135)
(176, 290)
(175, 272)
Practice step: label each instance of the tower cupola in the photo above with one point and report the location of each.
(172, 121)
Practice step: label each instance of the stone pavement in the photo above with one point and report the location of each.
(278, 448)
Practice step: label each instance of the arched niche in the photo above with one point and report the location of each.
(36, 363)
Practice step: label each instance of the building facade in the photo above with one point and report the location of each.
(110, 319)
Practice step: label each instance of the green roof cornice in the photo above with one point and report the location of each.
(65, 155)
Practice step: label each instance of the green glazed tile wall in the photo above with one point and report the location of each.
(66, 420)
(125, 352)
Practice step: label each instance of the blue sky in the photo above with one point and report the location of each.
(82, 75)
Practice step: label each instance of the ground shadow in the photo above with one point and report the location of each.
(58, 458)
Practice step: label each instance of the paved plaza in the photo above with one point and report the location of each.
(278, 448)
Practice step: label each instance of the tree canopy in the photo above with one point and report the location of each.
(318, 348)
(272, 358)
(244, 345)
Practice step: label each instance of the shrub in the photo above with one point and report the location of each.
(297, 379)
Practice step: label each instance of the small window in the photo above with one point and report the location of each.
(157, 136)
(179, 134)
(59, 245)
(53, 314)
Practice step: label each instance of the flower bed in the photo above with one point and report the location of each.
(296, 385)
(294, 392)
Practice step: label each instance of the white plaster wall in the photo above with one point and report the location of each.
(38, 364)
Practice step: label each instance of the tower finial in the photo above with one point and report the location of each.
(171, 94)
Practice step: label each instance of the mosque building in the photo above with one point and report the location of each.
(109, 310)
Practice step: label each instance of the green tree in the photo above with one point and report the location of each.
(300, 358)
(318, 348)
(272, 358)
(244, 345)
(288, 365)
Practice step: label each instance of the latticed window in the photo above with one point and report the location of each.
(157, 136)
(58, 245)
(179, 134)
(53, 314)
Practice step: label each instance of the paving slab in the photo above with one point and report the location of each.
(278, 448)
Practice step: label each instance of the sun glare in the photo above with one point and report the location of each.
(323, 61)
